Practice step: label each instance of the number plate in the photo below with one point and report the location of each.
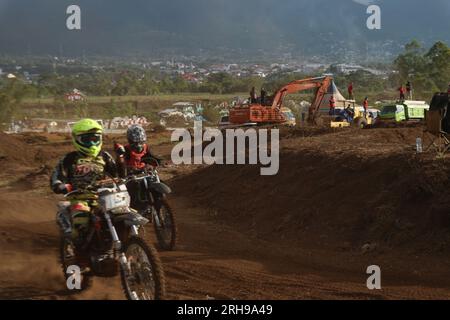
(115, 200)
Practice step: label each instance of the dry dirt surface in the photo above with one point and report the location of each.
(342, 200)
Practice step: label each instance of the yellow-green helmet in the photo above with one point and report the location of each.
(87, 137)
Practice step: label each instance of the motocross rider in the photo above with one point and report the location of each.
(76, 171)
(134, 158)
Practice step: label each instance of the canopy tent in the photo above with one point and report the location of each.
(333, 91)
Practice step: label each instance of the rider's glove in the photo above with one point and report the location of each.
(64, 188)
(120, 149)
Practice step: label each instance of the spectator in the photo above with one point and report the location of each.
(263, 96)
(348, 113)
(402, 93)
(332, 105)
(366, 105)
(448, 90)
(253, 95)
(409, 90)
(350, 91)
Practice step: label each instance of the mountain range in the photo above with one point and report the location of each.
(155, 27)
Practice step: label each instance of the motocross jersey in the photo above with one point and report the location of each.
(136, 161)
(80, 171)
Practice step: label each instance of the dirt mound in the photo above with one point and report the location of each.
(334, 190)
(32, 138)
(335, 193)
(14, 151)
(305, 131)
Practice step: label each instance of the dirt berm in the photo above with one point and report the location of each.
(348, 188)
(342, 200)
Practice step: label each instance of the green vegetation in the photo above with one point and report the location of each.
(429, 71)
(116, 91)
(162, 98)
(126, 83)
(11, 95)
(110, 107)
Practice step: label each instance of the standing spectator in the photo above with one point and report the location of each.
(448, 90)
(366, 105)
(263, 96)
(253, 95)
(350, 91)
(409, 90)
(332, 105)
(402, 93)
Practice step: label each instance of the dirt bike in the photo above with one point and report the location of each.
(154, 206)
(111, 243)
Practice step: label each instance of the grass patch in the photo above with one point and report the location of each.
(162, 97)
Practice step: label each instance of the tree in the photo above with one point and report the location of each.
(439, 64)
(82, 109)
(220, 82)
(12, 93)
(112, 109)
(428, 71)
(412, 62)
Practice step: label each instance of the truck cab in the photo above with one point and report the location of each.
(393, 112)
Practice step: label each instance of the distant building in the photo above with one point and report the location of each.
(75, 95)
(190, 77)
(348, 68)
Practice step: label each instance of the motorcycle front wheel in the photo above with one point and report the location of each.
(166, 227)
(143, 279)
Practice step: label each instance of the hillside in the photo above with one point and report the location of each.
(155, 27)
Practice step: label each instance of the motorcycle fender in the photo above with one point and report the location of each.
(132, 220)
(160, 188)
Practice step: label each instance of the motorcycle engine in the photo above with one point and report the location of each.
(104, 264)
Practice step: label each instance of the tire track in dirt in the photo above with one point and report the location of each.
(216, 259)
(212, 261)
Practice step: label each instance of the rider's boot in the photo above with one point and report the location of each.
(69, 250)
(65, 224)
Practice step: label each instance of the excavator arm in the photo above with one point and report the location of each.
(321, 84)
(262, 114)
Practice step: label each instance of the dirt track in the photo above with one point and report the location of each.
(298, 235)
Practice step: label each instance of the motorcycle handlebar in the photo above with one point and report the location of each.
(98, 185)
(114, 181)
(138, 177)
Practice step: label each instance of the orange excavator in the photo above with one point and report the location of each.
(270, 113)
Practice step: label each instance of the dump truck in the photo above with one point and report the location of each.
(403, 111)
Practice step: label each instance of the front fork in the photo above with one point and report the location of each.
(156, 219)
(154, 202)
(117, 244)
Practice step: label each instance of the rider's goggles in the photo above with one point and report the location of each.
(138, 146)
(90, 139)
